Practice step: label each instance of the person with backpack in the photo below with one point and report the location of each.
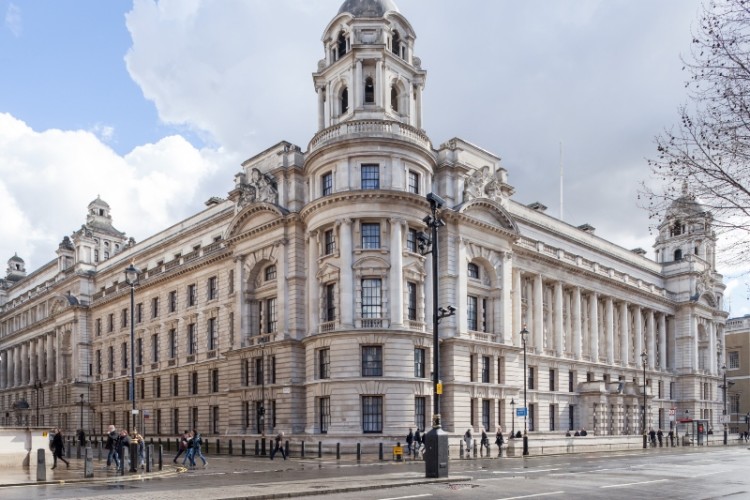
(197, 449)
(123, 442)
(111, 447)
(182, 446)
(278, 445)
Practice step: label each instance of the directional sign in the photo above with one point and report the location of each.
(520, 412)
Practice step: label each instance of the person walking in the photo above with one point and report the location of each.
(652, 436)
(111, 447)
(484, 444)
(499, 441)
(660, 437)
(278, 446)
(182, 445)
(198, 449)
(417, 448)
(123, 441)
(189, 451)
(468, 441)
(58, 448)
(137, 438)
(409, 441)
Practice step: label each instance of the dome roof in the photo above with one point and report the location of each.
(16, 258)
(687, 204)
(98, 202)
(368, 8)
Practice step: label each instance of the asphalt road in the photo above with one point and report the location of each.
(655, 474)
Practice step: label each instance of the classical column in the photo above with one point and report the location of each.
(609, 328)
(558, 319)
(506, 310)
(397, 273)
(50, 375)
(462, 287)
(357, 90)
(242, 318)
(313, 287)
(538, 314)
(418, 122)
(379, 84)
(16, 366)
(347, 277)
(650, 328)
(3, 363)
(638, 333)
(663, 343)
(321, 107)
(594, 326)
(577, 320)
(517, 303)
(624, 334)
(568, 330)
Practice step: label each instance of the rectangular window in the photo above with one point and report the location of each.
(324, 363)
(157, 387)
(734, 360)
(194, 383)
(660, 389)
(372, 361)
(212, 334)
(270, 273)
(98, 327)
(734, 404)
(124, 318)
(231, 281)
(329, 238)
(472, 368)
(124, 352)
(531, 377)
(175, 385)
(372, 414)
(571, 414)
(215, 380)
(176, 421)
(259, 371)
(212, 288)
(172, 343)
(486, 370)
(411, 240)
(471, 313)
(273, 369)
(486, 414)
(326, 184)
(671, 390)
(271, 315)
(192, 298)
(98, 361)
(571, 380)
(139, 312)
(110, 323)
(370, 177)
(420, 413)
(552, 384)
(155, 307)
(111, 358)
(173, 301)
(413, 182)
(371, 236)
(324, 414)
(411, 304)
(139, 352)
(552, 412)
(371, 298)
(191, 337)
(329, 313)
(419, 359)
(473, 412)
(155, 348)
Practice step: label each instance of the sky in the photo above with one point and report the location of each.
(153, 105)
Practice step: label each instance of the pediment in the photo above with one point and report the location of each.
(327, 269)
(371, 262)
(489, 212)
(252, 217)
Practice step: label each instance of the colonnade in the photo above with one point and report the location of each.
(29, 362)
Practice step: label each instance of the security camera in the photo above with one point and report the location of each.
(451, 310)
(435, 200)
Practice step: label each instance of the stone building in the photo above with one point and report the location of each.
(302, 301)
(737, 338)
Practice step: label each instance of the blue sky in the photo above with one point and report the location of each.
(153, 105)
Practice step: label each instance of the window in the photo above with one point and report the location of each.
(173, 301)
(329, 242)
(552, 412)
(324, 363)
(411, 304)
(172, 337)
(734, 403)
(571, 380)
(191, 339)
(486, 414)
(157, 387)
(98, 361)
(329, 311)
(471, 313)
(124, 352)
(344, 100)
(259, 371)
(411, 240)
(369, 91)
(324, 414)
(678, 254)
(372, 414)
(420, 412)
(472, 271)
(371, 236)
(155, 348)
(98, 327)
(271, 315)
(124, 318)
(110, 323)
(211, 333)
(532, 417)
(370, 176)
(176, 421)
(372, 361)
(341, 45)
(552, 384)
(419, 359)
(413, 181)
(396, 43)
(215, 380)
(194, 383)
(231, 281)
(270, 273)
(139, 352)
(139, 312)
(155, 307)
(111, 358)
(191, 295)
(734, 360)
(175, 385)
(326, 184)
(394, 98)
(212, 289)
(486, 372)
(472, 368)
(273, 369)
(531, 377)
(371, 298)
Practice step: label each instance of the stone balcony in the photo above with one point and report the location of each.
(385, 129)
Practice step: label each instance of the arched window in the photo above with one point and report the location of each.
(396, 44)
(472, 270)
(677, 229)
(344, 100)
(369, 91)
(394, 98)
(677, 255)
(341, 45)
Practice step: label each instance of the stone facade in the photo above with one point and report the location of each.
(303, 301)
(737, 340)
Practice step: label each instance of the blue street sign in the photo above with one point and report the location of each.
(520, 412)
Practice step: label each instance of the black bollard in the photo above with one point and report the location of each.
(133, 457)
(338, 451)
(380, 451)
(359, 452)
(230, 446)
(302, 449)
(320, 449)
(257, 448)
(161, 457)
(243, 447)
(286, 448)
(218, 447)
(263, 447)
(41, 467)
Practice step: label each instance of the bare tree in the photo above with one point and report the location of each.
(709, 150)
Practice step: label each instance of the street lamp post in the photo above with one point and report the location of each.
(436, 440)
(131, 278)
(724, 390)
(81, 420)
(37, 388)
(524, 334)
(512, 418)
(262, 409)
(644, 359)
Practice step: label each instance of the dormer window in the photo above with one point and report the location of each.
(341, 46)
(677, 255)
(396, 44)
(369, 91)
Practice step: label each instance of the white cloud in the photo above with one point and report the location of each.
(13, 19)
(48, 178)
(105, 133)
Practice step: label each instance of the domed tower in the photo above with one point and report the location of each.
(16, 269)
(98, 240)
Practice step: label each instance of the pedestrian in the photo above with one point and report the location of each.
(81, 438)
(660, 436)
(182, 445)
(652, 436)
(138, 439)
(58, 448)
(671, 437)
(418, 440)
(499, 441)
(468, 441)
(198, 449)
(111, 447)
(123, 441)
(189, 452)
(409, 441)
(484, 444)
(278, 446)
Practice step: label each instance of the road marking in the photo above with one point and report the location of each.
(707, 474)
(410, 496)
(635, 484)
(533, 496)
(522, 471)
